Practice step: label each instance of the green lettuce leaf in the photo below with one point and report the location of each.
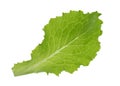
(70, 40)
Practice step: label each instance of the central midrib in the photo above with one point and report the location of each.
(56, 52)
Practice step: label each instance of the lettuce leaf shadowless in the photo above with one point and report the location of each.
(70, 40)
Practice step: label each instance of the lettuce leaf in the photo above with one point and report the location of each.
(70, 40)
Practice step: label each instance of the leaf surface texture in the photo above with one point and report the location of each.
(70, 40)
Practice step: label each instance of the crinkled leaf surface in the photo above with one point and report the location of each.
(70, 40)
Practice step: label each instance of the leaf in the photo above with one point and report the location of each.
(70, 40)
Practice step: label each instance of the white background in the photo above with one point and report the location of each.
(21, 23)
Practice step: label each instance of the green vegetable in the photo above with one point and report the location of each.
(70, 40)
